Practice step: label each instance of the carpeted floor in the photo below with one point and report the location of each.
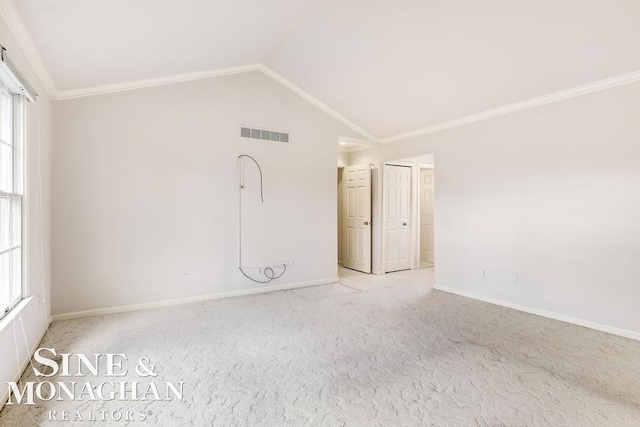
(373, 350)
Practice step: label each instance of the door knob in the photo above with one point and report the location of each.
(366, 223)
(404, 223)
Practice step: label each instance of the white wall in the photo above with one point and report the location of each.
(549, 193)
(33, 316)
(146, 199)
(343, 159)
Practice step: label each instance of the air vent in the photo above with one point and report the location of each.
(264, 134)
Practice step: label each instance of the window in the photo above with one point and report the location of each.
(11, 198)
(14, 93)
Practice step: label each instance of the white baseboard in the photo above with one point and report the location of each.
(544, 313)
(187, 300)
(25, 363)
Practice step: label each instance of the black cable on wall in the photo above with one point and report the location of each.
(268, 272)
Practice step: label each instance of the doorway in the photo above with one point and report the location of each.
(408, 190)
(397, 217)
(426, 215)
(356, 182)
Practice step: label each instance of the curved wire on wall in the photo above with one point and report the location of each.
(268, 272)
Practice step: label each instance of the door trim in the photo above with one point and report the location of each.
(418, 255)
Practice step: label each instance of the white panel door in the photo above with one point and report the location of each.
(426, 216)
(397, 207)
(357, 184)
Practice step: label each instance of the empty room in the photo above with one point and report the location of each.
(319, 213)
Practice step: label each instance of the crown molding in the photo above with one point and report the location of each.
(369, 140)
(138, 84)
(156, 81)
(25, 42)
(596, 86)
(319, 104)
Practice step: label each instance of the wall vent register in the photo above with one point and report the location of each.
(264, 134)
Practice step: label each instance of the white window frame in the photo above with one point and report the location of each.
(17, 192)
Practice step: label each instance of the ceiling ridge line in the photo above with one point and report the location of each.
(25, 42)
(607, 83)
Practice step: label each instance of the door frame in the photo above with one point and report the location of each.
(383, 239)
(417, 257)
(345, 220)
(414, 206)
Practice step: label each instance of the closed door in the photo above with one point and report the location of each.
(426, 216)
(357, 220)
(397, 213)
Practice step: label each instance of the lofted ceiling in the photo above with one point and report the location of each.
(88, 43)
(390, 67)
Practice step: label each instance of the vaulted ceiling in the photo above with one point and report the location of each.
(388, 66)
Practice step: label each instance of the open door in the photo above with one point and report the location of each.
(357, 221)
(397, 214)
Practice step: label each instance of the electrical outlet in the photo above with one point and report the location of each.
(516, 278)
(482, 272)
(288, 263)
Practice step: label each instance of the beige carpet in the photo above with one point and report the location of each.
(374, 350)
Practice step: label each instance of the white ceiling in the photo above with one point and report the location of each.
(87, 43)
(388, 66)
